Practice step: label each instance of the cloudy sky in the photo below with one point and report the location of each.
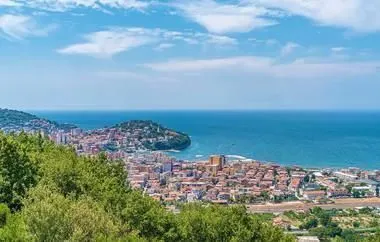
(198, 54)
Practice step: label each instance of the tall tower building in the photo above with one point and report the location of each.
(219, 160)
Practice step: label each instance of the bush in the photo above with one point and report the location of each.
(356, 224)
(311, 223)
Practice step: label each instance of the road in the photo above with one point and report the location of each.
(343, 203)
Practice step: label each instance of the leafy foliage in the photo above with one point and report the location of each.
(48, 193)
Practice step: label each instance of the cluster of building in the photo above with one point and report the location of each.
(32, 126)
(117, 142)
(220, 180)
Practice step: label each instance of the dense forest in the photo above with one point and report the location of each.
(48, 193)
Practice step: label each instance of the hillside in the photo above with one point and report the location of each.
(155, 136)
(128, 136)
(13, 120)
(48, 193)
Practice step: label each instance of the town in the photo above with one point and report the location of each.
(221, 180)
(127, 137)
(302, 201)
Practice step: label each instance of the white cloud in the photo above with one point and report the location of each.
(163, 46)
(120, 75)
(269, 66)
(211, 64)
(268, 42)
(126, 75)
(20, 26)
(65, 5)
(338, 49)
(358, 15)
(289, 48)
(223, 18)
(116, 40)
(246, 15)
(111, 42)
(8, 3)
(238, 15)
(221, 40)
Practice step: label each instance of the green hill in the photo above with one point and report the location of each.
(13, 120)
(48, 193)
(171, 139)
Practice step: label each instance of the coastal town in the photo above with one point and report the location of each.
(125, 138)
(223, 181)
(289, 196)
(118, 140)
(220, 179)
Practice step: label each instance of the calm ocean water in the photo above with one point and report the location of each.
(310, 139)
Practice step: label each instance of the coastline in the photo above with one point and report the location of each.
(307, 139)
(240, 158)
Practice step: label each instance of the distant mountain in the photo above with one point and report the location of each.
(13, 120)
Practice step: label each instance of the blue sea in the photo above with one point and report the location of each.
(305, 138)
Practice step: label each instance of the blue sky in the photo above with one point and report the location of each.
(199, 54)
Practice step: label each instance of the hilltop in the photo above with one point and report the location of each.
(13, 120)
(131, 136)
(155, 136)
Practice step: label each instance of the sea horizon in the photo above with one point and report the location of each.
(199, 110)
(309, 139)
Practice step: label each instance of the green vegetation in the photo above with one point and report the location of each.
(176, 140)
(337, 224)
(12, 119)
(48, 193)
(8, 117)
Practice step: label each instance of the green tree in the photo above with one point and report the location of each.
(4, 214)
(54, 195)
(349, 235)
(17, 173)
(356, 224)
(213, 223)
(325, 219)
(356, 194)
(310, 223)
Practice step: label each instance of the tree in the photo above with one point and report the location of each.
(17, 173)
(265, 195)
(311, 223)
(349, 235)
(363, 193)
(213, 223)
(52, 217)
(356, 194)
(51, 194)
(325, 219)
(330, 231)
(356, 224)
(4, 214)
